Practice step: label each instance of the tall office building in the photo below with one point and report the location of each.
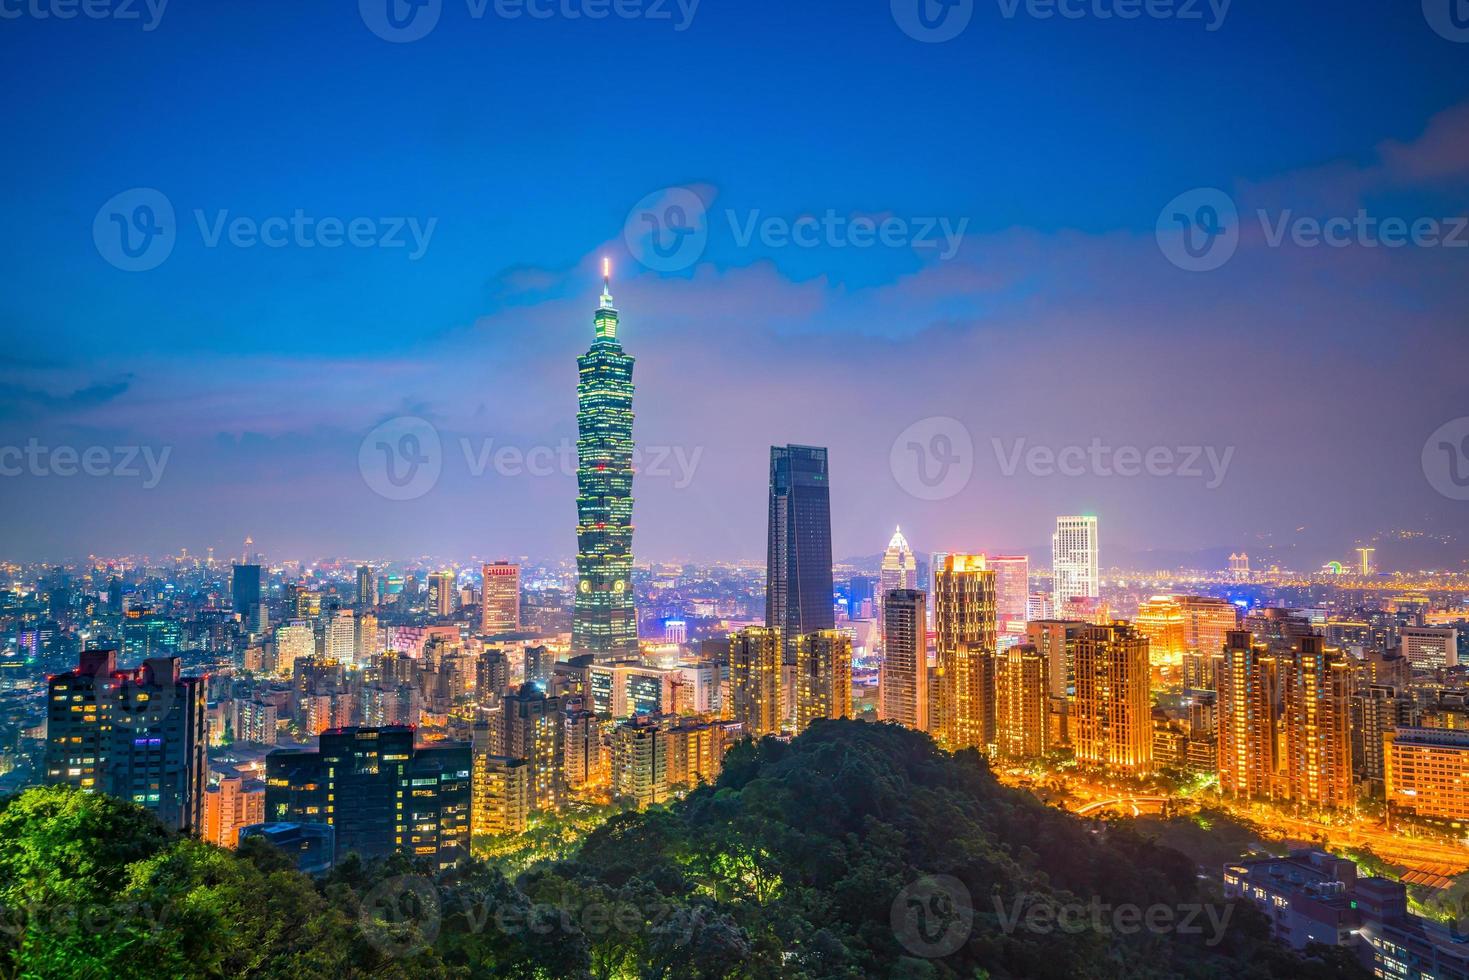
(798, 583)
(295, 640)
(245, 588)
(380, 794)
(1055, 640)
(604, 622)
(1074, 562)
(1113, 721)
(903, 678)
(1022, 725)
(823, 677)
(139, 735)
(491, 675)
(899, 567)
(499, 610)
(1012, 590)
(366, 588)
(1318, 725)
(965, 644)
(755, 661)
(1207, 623)
(1161, 620)
(442, 591)
(1430, 647)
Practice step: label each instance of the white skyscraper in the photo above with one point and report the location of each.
(899, 567)
(341, 636)
(1074, 561)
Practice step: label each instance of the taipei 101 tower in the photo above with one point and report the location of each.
(605, 624)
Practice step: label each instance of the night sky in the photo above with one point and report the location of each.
(525, 150)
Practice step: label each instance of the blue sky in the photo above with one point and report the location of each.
(526, 142)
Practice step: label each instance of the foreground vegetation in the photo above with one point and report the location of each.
(858, 850)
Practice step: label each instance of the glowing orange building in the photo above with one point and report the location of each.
(1113, 722)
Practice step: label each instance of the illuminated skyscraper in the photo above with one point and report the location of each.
(1161, 620)
(903, 679)
(798, 584)
(499, 598)
(534, 730)
(1248, 718)
(965, 643)
(442, 591)
(1113, 723)
(1074, 562)
(1012, 590)
(899, 568)
(823, 677)
(366, 588)
(341, 637)
(1318, 731)
(1022, 728)
(604, 622)
(755, 660)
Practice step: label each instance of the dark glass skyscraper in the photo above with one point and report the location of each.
(798, 588)
(605, 623)
(245, 589)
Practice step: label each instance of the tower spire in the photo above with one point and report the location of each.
(606, 284)
(606, 319)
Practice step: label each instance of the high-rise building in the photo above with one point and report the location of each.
(965, 644)
(294, 641)
(1207, 623)
(534, 731)
(491, 675)
(380, 793)
(500, 787)
(140, 735)
(903, 677)
(755, 661)
(899, 567)
(1113, 720)
(1012, 590)
(366, 588)
(823, 677)
(604, 621)
(1430, 647)
(1317, 692)
(341, 636)
(1055, 640)
(1022, 728)
(1074, 561)
(230, 805)
(499, 598)
(1424, 772)
(798, 582)
(586, 763)
(640, 750)
(443, 590)
(364, 643)
(245, 588)
(1249, 719)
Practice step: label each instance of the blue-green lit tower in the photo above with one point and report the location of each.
(605, 624)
